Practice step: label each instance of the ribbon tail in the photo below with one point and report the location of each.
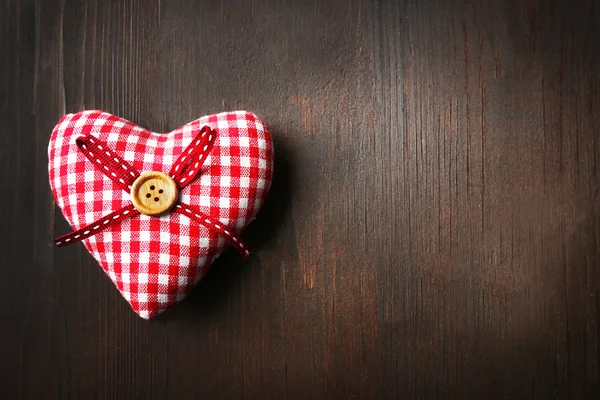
(98, 226)
(214, 225)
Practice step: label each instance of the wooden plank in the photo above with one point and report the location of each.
(433, 229)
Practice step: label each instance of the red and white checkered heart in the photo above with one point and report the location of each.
(156, 261)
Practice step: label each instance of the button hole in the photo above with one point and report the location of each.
(156, 199)
(148, 195)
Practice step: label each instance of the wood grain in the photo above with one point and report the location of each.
(433, 230)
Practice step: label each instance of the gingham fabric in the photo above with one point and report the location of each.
(156, 261)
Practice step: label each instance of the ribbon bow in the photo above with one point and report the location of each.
(183, 172)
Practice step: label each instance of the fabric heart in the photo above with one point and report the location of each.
(155, 261)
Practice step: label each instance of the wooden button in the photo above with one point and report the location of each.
(153, 193)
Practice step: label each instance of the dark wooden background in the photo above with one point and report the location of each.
(433, 230)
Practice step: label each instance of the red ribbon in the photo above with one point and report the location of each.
(183, 172)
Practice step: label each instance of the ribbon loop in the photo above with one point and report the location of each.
(189, 163)
(108, 162)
